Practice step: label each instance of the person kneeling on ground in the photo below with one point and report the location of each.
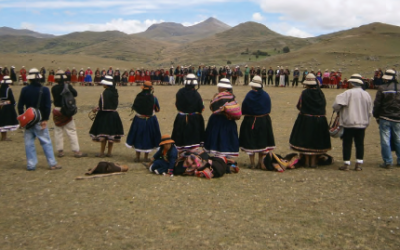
(164, 159)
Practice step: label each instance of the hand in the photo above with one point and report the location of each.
(94, 110)
(43, 124)
(377, 120)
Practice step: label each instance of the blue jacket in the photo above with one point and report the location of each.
(29, 98)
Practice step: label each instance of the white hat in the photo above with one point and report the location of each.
(172, 67)
(256, 82)
(6, 80)
(108, 80)
(12, 67)
(246, 66)
(33, 74)
(310, 80)
(389, 74)
(356, 78)
(224, 83)
(191, 79)
(60, 74)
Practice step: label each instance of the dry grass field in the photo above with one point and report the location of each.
(300, 209)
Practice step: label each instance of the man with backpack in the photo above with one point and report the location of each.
(64, 101)
(37, 97)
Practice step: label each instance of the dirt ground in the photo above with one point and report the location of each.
(255, 209)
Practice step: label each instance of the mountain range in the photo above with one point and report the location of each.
(215, 43)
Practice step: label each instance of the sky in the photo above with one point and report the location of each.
(288, 17)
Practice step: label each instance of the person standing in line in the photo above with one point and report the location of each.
(387, 113)
(30, 97)
(171, 75)
(310, 133)
(188, 129)
(355, 109)
(43, 74)
(287, 77)
(264, 76)
(221, 136)
(246, 75)
(22, 72)
(296, 75)
(107, 126)
(8, 115)
(256, 134)
(144, 134)
(13, 76)
(282, 77)
(270, 74)
(62, 122)
(305, 73)
(277, 76)
(74, 76)
(88, 77)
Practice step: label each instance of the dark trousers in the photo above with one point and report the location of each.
(246, 79)
(277, 81)
(295, 82)
(214, 80)
(264, 81)
(234, 80)
(270, 80)
(358, 135)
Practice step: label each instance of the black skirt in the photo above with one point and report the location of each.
(310, 135)
(8, 118)
(107, 126)
(256, 134)
(188, 131)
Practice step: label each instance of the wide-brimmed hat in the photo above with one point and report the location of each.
(310, 80)
(357, 79)
(147, 85)
(33, 74)
(224, 83)
(191, 79)
(108, 80)
(60, 74)
(12, 67)
(256, 82)
(390, 74)
(6, 80)
(166, 139)
(246, 66)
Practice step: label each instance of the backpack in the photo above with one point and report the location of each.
(68, 103)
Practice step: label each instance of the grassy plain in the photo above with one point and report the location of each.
(299, 209)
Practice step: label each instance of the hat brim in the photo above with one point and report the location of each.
(6, 82)
(255, 85)
(310, 82)
(170, 141)
(107, 83)
(356, 81)
(224, 85)
(31, 77)
(387, 77)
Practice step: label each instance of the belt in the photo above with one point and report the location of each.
(255, 118)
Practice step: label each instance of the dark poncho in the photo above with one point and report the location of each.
(256, 103)
(312, 102)
(188, 100)
(109, 99)
(144, 103)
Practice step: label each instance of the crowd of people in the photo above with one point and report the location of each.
(206, 75)
(208, 150)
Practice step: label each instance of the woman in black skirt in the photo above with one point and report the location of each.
(256, 135)
(310, 133)
(107, 126)
(188, 131)
(8, 115)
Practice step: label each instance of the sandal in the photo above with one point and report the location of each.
(358, 167)
(109, 155)
(60, 154)
(80, 155)
(136, 160)
(345, 167)
(99, 155)
(56, 167)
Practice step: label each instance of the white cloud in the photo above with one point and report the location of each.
(28, 26)
(293, 31)
(327, 15)
(258, 17)
(127, 26)
(288, 29)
